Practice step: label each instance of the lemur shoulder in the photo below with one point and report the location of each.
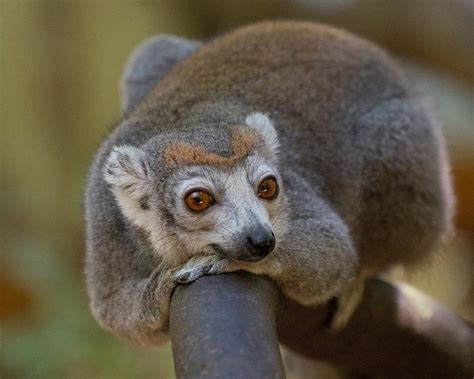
(287, 149)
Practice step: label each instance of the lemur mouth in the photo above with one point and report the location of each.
(247, 259)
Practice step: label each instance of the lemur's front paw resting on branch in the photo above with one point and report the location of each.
(200, 266)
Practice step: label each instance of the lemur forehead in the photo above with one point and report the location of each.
(242, 142)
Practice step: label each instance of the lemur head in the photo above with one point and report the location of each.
(212, 190)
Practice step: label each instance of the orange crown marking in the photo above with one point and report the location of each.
(184, 153)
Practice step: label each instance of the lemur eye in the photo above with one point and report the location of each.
(198, 200)
(268, 188)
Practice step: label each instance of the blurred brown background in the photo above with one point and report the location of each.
(60, 64)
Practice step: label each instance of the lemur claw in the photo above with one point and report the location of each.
(198, 267)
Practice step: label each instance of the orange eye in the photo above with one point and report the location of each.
(268, 188)
(198, 200)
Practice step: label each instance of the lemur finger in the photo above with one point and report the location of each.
(186, 277)
(198, 267)
(192, 270)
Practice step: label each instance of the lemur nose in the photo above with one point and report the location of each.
(262, 242)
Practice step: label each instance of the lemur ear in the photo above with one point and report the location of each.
(127, 171)
(149, 63)
(264, 126)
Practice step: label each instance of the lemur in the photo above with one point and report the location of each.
(287, 149)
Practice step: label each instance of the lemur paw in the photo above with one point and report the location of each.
(200, 266)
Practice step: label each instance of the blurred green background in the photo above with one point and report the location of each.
(60, 65)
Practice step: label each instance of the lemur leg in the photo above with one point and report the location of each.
(149, 63)
(139, 309)
(315, 262)
(315, 259)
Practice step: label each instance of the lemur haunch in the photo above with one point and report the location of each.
(287, 149)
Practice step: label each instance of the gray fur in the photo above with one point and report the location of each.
(361, 163)
(149, 63)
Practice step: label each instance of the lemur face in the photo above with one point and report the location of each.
(233, 211)
(199, 196)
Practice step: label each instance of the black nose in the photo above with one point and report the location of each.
(261, 242)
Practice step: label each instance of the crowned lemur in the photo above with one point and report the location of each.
(288, 149)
